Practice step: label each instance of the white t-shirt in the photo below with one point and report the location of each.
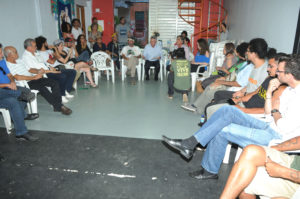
(46, 55)
(76, 32)
(18, 69)
(131, 51)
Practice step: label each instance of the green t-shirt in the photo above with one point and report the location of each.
(296, 163)
(182, 74)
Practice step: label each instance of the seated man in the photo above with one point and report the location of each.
(179, 76)
(131, 54)
(229, 124)
(35, 64)
(36, 82)
(113, 50)
(9, 99)
(256, 53)
(265, 171)
(238, 79)
(152, 54)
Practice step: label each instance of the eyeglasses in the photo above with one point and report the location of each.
(280, 71)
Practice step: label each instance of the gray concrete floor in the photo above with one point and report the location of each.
(137, 111)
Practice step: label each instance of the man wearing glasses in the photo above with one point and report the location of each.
(230, 124)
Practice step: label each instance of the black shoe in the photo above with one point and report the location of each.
(32, 116)
(65, 110)
(147, 78)
(177, 144)
(27, 137)
(202, 174)
(156, 78)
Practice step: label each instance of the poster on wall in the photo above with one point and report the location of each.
(64, 14)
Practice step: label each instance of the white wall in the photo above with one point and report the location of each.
(21, 20)
(273, 20)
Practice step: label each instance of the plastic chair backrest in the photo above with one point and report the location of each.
(99, 59)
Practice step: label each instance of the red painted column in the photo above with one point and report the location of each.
(107, 14)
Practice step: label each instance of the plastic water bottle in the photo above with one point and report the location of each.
(202, 120)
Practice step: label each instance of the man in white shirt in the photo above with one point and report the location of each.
(131, 55)
(152, 54)
(35, 64)
(229, 124)
(35, 81)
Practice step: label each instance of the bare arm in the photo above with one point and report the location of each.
(28, 78)
(276, 170)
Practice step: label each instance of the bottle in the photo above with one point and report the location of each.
(202, 121)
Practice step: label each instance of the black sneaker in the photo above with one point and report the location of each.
(26, 137)
(32, 116)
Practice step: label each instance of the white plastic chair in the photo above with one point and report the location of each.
(99, 61)
(152, 68)
(138, 68)
(7, 120)
(165, 60)
(210, 67)
(31, 106)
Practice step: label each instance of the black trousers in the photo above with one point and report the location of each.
(223, 95)
(171, 85)
(53, 97)
(65, 79)
(156, 64)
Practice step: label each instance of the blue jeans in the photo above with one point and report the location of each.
(229, 124)
(65, 80)
(9, 101)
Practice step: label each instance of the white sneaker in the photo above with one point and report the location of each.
(68, 95)
(64, 99)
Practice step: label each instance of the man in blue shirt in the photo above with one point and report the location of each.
(152, 54)
(9, 94)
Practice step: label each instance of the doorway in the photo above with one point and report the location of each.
(81, 16)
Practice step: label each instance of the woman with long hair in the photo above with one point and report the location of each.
(79, 66)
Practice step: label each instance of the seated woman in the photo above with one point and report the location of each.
(202, 56)
(179, 77)
(63, 58)
(94, 34)
(99, 45)
(82, 49)
(230, 60)
(66, 30)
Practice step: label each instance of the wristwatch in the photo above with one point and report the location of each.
(274, 111)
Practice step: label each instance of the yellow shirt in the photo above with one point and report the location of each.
(100, 29)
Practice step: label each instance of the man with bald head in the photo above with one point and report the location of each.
(35, 81)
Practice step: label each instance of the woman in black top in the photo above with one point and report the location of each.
(82, 47)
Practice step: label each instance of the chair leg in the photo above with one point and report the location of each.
(194, 78)
(96, 77)
(238, 153)
(227, 154)
(113, 75)
(7, 120)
